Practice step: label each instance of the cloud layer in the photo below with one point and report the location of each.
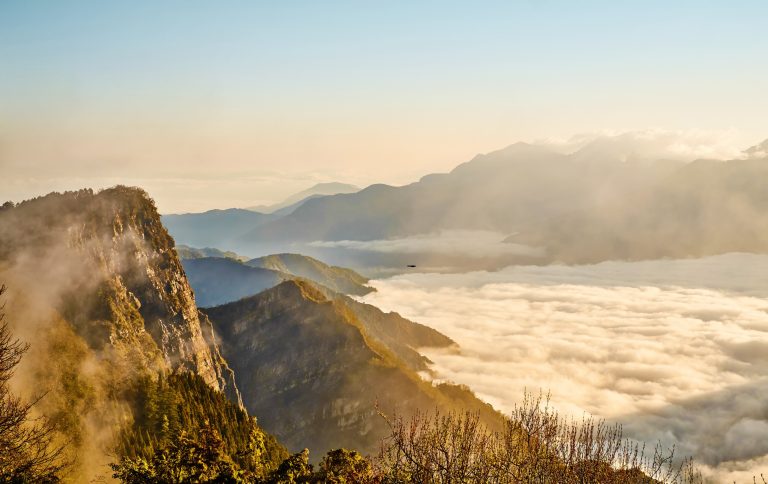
(676, 350)
(468, 243)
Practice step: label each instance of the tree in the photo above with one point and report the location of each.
(342, 466)
(295, 469)
(183, 460)
(27, 449)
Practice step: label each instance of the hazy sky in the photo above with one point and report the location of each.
(242, 102)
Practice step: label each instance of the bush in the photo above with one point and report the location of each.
(536, 446)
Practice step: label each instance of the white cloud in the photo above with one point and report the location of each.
(674, 349)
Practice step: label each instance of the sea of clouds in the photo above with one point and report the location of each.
(676, 350)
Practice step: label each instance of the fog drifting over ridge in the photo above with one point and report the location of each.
(677, 350)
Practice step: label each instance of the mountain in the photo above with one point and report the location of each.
(599, 203)
(217, 280)
(187, 252)
(617, 197)
(313, 367)
(339, 279)
(507, 191)
(214, 228)
(295, 200)
(96, 287)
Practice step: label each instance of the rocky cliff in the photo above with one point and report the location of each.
(98, 271)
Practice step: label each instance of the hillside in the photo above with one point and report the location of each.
(214, 228)
(97, 289)
(187, 252)
(313, 368)
(338, 279)
(217, 280)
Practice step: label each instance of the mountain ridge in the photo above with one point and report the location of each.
(293, 341)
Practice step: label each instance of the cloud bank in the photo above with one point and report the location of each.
(676, 350)
(446, 242)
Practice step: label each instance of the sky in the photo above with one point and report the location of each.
(238, 103)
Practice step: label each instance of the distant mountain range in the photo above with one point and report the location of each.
(217, 280)
(213, 228)
(598, 203)
(222, 228)
(295, 200)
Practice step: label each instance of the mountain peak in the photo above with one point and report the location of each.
(313, 366)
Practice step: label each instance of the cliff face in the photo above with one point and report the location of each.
(313, 366)
(103, 264)
(126, 288)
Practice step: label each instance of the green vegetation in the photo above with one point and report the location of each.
(167, 408)
(203, 460)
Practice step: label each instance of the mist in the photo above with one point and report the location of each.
(674, 349)
(79, 269)
(42, 281)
